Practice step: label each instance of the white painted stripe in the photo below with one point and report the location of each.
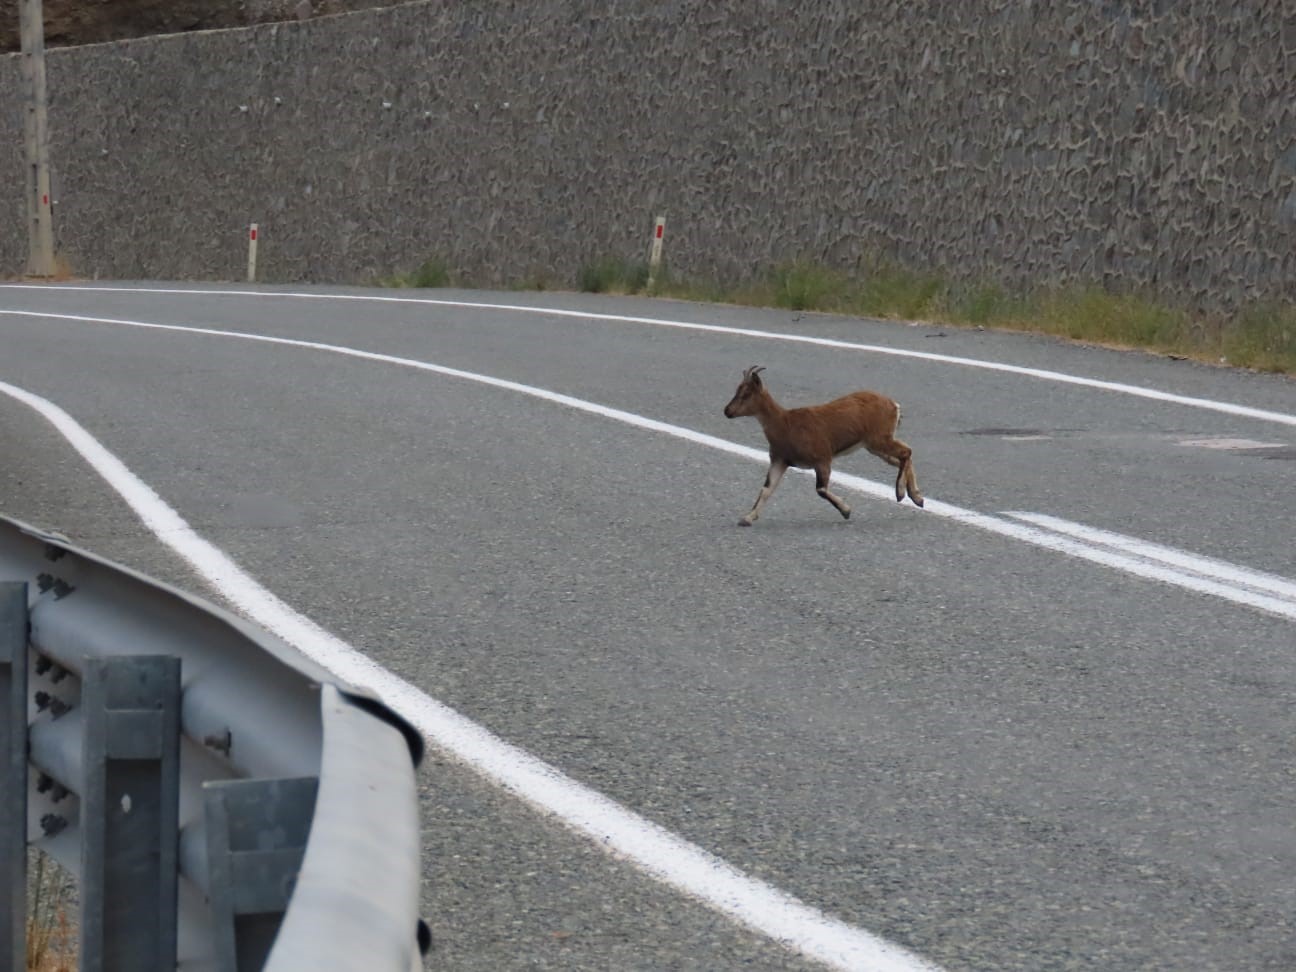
(1210, 583)
(648, 846)
(1227, 408)
(1229, 445)
(1214, 585)
(1194, 563)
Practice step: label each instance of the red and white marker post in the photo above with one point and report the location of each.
(252, 244)
(655, 254)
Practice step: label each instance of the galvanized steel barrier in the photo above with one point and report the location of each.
(224, 802)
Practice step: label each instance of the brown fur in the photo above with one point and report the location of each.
(811, 437)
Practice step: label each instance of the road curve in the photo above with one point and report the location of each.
(1042, 724)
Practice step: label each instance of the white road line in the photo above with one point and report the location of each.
(1204, 581)
(1227, 408)
(1204, 566)
(623, 833)
(1229, 445)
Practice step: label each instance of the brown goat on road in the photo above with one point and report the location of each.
(812, 437)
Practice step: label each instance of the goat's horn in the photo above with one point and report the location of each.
(753, 371)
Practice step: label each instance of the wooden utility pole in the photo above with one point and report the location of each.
(40, 225)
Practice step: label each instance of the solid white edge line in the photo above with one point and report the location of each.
(1207, 566)
(648, 846)
(1227, 408)
(1117, 561)
(1216, 586)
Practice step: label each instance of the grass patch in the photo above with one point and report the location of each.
(1260, 336)
(704, 290)
(535, 281)
(889, 291)
(985, 304)
(882, 291)
(431, 273)
(807, 286)
(610, 275)
(1092, 314)
(51, 944)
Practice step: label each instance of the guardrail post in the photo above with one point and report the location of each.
(13, 775)
(129, 812)
(256, 838)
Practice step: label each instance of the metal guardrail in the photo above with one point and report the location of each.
(224, 802)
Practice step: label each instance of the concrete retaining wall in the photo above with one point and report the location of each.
(1140, 144)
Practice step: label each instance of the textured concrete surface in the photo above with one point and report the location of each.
(75, 22)
(1141, 145)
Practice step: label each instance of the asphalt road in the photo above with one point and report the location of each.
(993, 752)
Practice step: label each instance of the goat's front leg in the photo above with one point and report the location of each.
(772, 477)
(822, 472)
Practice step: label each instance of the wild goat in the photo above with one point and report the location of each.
(811, 438)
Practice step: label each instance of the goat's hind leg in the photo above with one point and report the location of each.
(772, 477)
(896, 453)
(886, 454)
(911, 482)
(907, 479)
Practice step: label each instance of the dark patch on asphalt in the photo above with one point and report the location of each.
(1285, 452)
